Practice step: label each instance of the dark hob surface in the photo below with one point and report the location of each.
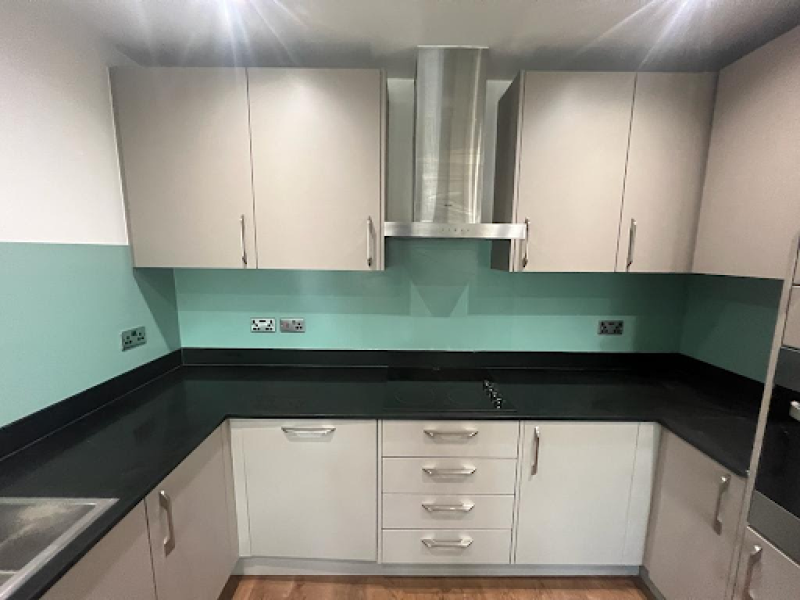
(443, 390)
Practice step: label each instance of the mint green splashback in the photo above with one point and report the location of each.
(62, 307)
(434, 294)
(730, 322)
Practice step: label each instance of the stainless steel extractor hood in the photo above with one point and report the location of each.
(450, 100)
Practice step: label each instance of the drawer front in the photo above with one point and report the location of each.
(480, 439)
(419, 511)
(449, 546)
(449, 475)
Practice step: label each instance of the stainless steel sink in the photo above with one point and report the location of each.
(33, 530)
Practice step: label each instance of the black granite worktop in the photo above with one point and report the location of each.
(124, 449)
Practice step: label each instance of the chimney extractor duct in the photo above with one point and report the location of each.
(448, 134)
(450, 101)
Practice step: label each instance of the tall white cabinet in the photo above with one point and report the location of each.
(670, 130)
(318, 150)
(184, 146)
(751, 204)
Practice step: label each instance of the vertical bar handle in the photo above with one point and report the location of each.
(752, 561)
(243, 240)
(370, 242)
(527, 238)
(724, 484)
(631, 244)
(537, 442)
(166, 504)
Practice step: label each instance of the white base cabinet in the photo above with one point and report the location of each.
(692, 531)
(118, 567)
(580, 493)
(188, 515)
(310, 487)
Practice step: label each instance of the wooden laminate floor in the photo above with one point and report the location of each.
(432, 588)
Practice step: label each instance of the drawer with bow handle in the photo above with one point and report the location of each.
(480, 439)
(417, 511)
(449, 475)
(448, 546)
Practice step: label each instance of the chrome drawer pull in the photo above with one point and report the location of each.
(462, 472)
(461, 543)
(465, 507)
(752, 560)
(309, 431)
(724, 484)
(440, 433)
(166, 504)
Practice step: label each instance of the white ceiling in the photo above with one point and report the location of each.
(539, 34)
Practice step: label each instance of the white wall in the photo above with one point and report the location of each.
(754, 158)
(59, 178)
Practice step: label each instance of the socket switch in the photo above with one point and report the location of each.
(133, 337)
(293, 325)
(262, 325)
(610, 327)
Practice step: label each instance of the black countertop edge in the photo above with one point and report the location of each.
(445, 359)
(33, 427)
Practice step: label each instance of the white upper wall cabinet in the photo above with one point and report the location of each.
(318, 154)
(751, 202)
(184, 146)
(571, 149)
(666, 165)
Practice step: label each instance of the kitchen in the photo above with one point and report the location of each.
(382, 299)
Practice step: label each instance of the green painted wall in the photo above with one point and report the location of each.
(433, 295)
(730, 322)
(62, 307)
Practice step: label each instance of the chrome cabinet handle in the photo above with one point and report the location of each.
(462, 472)
(464, 507)
(631, 244)
(309, 431)
(166, 504)
(537, 442)
(440, 433)
(752, 561)
(527, 238)
(244, 243)
(369, 242)
(724, 484)
(461, 543)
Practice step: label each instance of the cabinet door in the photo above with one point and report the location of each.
(184, 146)
(312, 488)
(318, 167)
(117, 567)
(765, 572)
(750, 210)
(189, 528)
(666, 165)
(572, 169)
(692, 530)
(574, 493)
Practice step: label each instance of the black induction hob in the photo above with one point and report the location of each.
(443, 390)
